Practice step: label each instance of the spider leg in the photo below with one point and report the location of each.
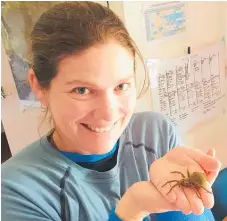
(198, 185)
(188, 172)
(179, 173)
(196, 191)
(172, 188)
(171, 181)
(182, 188)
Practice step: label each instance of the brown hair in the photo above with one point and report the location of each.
(70, 28)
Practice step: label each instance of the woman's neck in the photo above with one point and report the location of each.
(65, 144)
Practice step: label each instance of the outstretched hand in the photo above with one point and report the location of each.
(180, 159)
(145, 197)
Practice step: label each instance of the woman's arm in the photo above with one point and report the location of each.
(143, 198)
(16, 205)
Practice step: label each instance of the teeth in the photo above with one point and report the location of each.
(101, 129)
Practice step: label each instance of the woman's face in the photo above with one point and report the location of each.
(93, 97)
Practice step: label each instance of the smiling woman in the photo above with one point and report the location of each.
(89, 81)
(100, 86)
(101, 161)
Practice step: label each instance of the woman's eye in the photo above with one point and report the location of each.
(122, 87)
(81, 90)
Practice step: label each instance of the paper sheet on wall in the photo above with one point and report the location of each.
(189, 89)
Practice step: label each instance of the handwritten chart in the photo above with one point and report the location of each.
(191, 88)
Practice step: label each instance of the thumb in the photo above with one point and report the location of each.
(212, 175)
(211, 152)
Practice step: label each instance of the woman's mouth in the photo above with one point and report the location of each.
(99, 129)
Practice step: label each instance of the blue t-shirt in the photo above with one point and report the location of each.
(41, 184)
(101, 160)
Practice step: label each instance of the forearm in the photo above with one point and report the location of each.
(129, 214)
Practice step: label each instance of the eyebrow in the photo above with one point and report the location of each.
(94, 85)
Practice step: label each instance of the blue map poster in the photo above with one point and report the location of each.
(165, 20)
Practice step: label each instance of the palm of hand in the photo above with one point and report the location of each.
(180, 159)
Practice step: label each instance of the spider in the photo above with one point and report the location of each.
(194, 180)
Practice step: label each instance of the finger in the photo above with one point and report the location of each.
(207, 162)
(211, 176)
(191, 193)
(182, 202)
(196, 204)
(195, 167)
(211, 152)
(207, 198)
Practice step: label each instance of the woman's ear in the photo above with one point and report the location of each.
(40, 93)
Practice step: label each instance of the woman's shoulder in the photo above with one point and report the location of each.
(150, 115)
(29, 186)
(155, 130)
(28, 155)
(29, 183)
(28, 164)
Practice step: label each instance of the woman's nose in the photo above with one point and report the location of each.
(107, 107)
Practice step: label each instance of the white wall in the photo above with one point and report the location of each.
(214, 132)
(226, 28)
(206, 24)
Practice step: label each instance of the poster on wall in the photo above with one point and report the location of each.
(164, 20)
(190, 89)
(17, 21)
